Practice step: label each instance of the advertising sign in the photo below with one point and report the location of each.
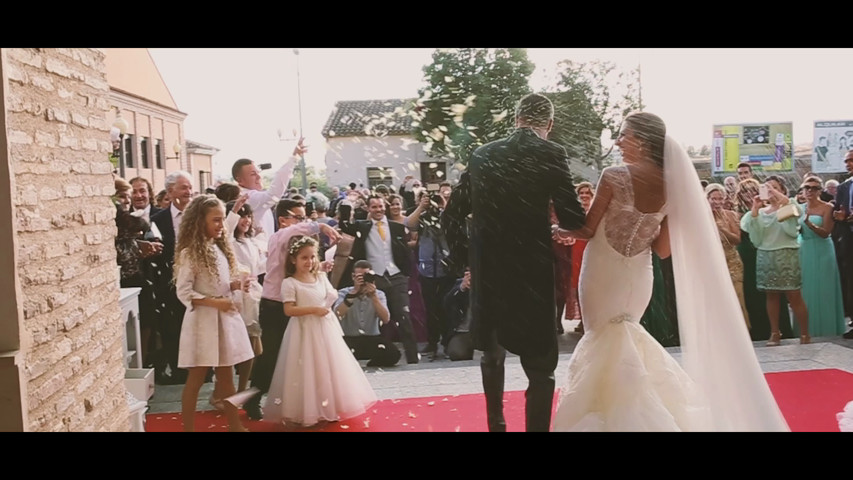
(765, 146)
(831, 142)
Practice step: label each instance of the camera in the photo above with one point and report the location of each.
(369, 276)
(265, 166)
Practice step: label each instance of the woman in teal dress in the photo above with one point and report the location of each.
(756, 301)
(821, 279)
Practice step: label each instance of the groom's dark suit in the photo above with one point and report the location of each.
(512, 181)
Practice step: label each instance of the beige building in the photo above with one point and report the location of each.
(154, 143)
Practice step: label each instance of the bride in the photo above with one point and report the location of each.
(620, 378)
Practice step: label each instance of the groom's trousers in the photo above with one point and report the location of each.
(539, 396)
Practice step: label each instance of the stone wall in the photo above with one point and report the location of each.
(57, 103)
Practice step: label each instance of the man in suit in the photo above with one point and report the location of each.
(512, 181)
(170, 310)
(141, 200)
(843, 231)
(382, 243)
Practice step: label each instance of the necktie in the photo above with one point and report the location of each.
(380, 230)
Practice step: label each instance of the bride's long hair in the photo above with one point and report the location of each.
(651, 130)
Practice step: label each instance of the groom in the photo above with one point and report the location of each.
(507, 193)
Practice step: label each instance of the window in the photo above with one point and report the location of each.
(158, 153)
(128, 151)
(143, 150)
(204, 180)
(379, 176)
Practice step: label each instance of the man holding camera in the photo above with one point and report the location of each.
(248, 176)
(362, 308)
(383, 244)
(433, 272)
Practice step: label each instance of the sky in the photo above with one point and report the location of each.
(238, 99)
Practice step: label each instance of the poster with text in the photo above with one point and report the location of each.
(831, 142)
(765, 146)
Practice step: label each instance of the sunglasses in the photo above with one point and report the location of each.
(812, 188)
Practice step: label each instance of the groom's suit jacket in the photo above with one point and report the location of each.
(510, 185)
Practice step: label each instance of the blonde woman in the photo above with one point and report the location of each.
(728, 225)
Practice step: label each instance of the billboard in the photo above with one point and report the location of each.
(831, 142)
(766, 147)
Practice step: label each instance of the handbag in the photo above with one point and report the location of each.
(788, 211)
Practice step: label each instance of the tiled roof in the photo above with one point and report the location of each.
(358, 118)
(191, 144)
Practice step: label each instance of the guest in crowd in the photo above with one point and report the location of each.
(842, 213)
(375, 238)
(141, 203)
(755, 299)
(273, 321)
(212, 332)
(252, 263)
(457, 341)
(586, 194)
(433, 273)
(169, 308)
(162, 200)
(778, 268)
(728, 226)
(362, 308)
(821, 280)
(227, 192)
(262, 201)
(395, 211)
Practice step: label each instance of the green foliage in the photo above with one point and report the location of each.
(589, 98)
(312, 175)
(469, 99)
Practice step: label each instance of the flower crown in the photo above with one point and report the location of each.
(299, 243)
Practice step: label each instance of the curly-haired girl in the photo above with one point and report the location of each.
(213, 333)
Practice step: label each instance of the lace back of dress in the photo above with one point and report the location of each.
(628, 230)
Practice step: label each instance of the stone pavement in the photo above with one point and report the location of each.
(444, 377)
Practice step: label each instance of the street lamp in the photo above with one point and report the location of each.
(119, 129)
(177, 149)
(299, 97)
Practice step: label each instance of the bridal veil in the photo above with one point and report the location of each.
(717, 351)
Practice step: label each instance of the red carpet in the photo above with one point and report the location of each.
(809, 400)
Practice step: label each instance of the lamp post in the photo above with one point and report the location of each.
(299, 98)
(121, 124)
(177, 149)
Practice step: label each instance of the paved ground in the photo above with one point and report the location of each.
(444, 377)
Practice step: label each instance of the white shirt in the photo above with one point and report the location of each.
(146, 213)
(378, 251)
(263, 201)
(177, 216)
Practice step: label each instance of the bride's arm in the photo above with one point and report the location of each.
(603, 194)
(661, 244)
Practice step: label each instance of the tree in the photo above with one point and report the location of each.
(589, 99)
(705, 151)
(469, 99)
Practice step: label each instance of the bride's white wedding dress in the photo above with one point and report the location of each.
(620, 378)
